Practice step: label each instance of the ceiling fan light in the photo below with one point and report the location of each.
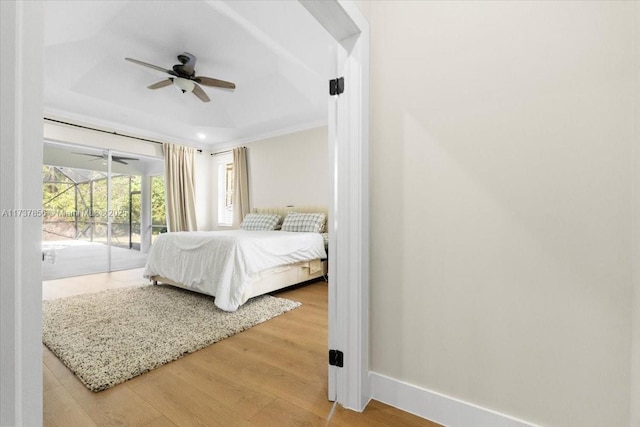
(184, 85)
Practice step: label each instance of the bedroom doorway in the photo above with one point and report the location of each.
(23, 23)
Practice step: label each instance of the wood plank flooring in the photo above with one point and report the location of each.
(274, 374)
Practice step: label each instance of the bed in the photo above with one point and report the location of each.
(236, 265)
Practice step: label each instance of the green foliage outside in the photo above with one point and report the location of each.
(158, 218)
(75, 204)
(157, 201)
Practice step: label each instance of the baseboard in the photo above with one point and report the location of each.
(437, 407)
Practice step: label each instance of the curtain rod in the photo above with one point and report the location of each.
(199, 150)
(103, 131)
(222, 152)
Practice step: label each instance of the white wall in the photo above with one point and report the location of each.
(64, 133)
(501, 204)
(285, 170)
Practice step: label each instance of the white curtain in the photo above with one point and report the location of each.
(179, 187)
(240, 185)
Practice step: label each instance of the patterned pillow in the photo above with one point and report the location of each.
(307, 222)
(325, 237)
(255, 221)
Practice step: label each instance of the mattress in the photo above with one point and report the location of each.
(223, 263)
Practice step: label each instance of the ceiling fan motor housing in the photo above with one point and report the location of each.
(186, 66)
(181, 71)
(184, 58)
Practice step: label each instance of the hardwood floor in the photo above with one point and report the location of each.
(274, 374)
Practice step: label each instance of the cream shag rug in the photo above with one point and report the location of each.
(112, 336)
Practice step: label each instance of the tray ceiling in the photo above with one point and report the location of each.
(275, 52)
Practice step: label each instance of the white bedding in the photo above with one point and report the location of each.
(222, 263)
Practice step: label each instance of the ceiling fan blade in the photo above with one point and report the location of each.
(197, 91)
(163, 83)
(119, 159)
(208, 81)
(92, 155)
(144, 64)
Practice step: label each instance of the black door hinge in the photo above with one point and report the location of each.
(336, 358)
(336, 86)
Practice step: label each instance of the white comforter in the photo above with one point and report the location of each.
(222, 263)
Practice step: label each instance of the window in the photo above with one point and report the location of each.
(225, 189)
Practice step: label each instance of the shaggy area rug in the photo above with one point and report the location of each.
(112, 336)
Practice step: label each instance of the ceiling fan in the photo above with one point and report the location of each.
(117, 159)
(184, 77)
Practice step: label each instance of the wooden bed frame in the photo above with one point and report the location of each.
(273, 279)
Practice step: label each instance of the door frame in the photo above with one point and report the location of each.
(21, 84)
(349, 202)
(21, 157)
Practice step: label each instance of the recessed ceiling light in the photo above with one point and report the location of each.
(201, 135)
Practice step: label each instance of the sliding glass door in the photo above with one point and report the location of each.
(98, 210)
(74, 201)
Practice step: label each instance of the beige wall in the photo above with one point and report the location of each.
(285, 170)
(635, 355)
(205, 199)
(290, 169)
(501, 194)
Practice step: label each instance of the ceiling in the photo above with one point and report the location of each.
(275, 52)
